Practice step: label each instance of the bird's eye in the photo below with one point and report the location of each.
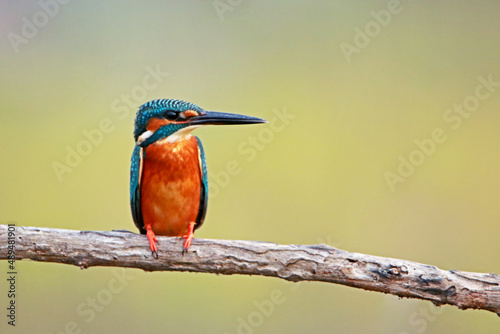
(171, 115)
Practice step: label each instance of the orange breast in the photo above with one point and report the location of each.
(170, 186)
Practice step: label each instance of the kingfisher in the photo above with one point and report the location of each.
(168, 172)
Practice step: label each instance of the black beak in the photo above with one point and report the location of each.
(223, 118)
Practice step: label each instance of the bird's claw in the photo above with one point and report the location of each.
(152, 242)
(189, 237)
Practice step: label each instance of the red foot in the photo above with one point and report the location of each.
(152, 241)
(189, 236)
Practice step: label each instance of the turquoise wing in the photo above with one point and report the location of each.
(204, 186)
(135, 187)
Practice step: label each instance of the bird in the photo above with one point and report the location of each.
(168, 171)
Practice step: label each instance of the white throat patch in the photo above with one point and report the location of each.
(173, 138)
(181, 134)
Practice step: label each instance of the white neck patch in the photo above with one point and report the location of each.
(145, 135)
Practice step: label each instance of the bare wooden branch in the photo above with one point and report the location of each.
(290, 262)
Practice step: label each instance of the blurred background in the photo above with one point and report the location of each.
(383, 139)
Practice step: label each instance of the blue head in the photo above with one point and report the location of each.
(160, 109)
(176, 116)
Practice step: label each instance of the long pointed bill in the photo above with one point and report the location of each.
(223, 118)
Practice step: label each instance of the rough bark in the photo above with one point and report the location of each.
(290, 262)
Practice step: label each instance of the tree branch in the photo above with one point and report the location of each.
(290, 262)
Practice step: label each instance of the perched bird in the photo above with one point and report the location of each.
(168, 174)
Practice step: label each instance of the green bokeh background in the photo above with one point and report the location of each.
(321, 179)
